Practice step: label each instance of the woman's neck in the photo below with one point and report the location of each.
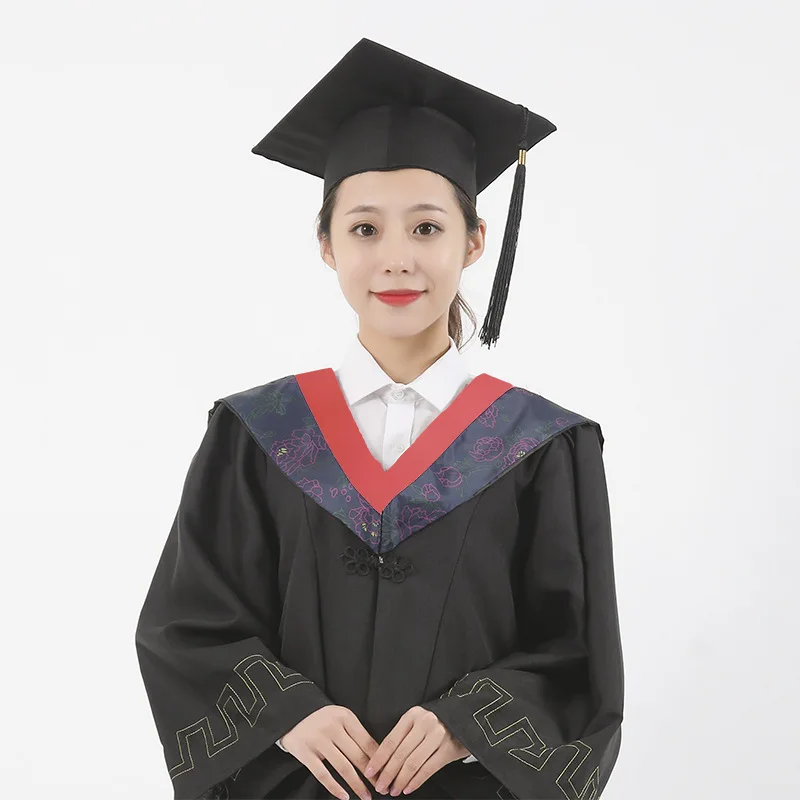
(405, 358)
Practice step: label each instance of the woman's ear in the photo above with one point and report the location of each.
(326, 252)
(476, 244)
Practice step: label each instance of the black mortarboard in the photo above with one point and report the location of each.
(378, 109)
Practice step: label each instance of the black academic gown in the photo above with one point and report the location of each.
(474, 577)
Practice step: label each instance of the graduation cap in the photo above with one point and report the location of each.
(378, 109)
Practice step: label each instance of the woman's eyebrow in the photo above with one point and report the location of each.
(375, 210)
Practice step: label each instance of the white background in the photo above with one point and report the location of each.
(152, 264)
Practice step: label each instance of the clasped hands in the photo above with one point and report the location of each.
(418, 746)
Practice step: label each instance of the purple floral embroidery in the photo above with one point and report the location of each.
(312, 487)
(298, 450)
(281, 422)
(487, 448)
(415, 518)
(489, 417)
(365, 516)
(449, 477)
(430, 493)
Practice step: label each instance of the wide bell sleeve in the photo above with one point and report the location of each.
(546, 720)
(207, 635)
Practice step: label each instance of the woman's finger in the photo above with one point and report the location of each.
(433, 764)
(316, 767)
(342, 764)
(409, 757)
(358, 745)
(421, 755)
(407, 747)
(391, 742)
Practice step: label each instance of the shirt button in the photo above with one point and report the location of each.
(398, 394)
(398, 448)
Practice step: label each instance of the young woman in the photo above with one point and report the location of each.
(397, 573)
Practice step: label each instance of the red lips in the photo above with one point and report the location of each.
(398, 297)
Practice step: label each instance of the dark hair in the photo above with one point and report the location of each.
(459, 304)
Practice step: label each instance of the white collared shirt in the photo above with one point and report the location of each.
(391, 415)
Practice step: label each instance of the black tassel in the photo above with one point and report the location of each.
(490, 331)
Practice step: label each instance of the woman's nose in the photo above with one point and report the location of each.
(396, 252)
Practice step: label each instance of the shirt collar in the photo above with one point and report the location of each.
(359, 376)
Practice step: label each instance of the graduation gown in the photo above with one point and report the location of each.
(474, 578)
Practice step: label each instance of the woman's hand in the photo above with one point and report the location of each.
(419, 745)
(336, 734)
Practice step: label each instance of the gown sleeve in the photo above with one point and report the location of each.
(207, 635)
(546, 719)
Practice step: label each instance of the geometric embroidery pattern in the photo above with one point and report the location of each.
(536, 755)
(229, 700)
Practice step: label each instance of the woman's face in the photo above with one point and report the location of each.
(381, 239)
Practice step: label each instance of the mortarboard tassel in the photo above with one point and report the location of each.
(490, 331)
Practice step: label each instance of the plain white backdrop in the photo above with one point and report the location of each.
(152, 264)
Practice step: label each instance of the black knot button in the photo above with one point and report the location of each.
(361, 561)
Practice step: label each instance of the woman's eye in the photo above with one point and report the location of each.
(421, 225)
